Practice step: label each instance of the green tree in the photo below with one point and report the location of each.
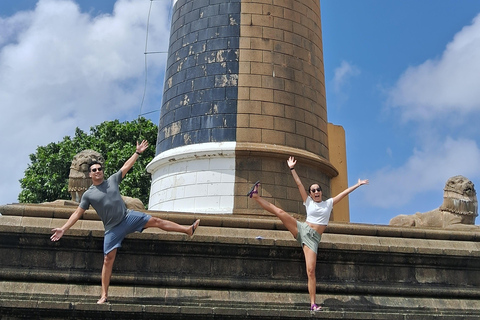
(46, 177)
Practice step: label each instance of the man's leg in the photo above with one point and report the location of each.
(170, 226)
(108, 260)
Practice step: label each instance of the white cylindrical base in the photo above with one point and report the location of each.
(195, 178)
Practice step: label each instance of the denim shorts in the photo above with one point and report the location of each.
(307, 236)
(133, 221)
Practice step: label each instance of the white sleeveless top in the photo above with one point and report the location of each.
(318, 212)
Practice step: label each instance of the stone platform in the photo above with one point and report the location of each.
(235, 267)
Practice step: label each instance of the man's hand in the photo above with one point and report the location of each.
(57, 234)
(142, 146)
(131, 161)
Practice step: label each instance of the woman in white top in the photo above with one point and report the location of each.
(308, 233)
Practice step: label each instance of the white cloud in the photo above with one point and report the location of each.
(61, 68)
(440, 99)
(444, 86)
(343, 74)
(426, 170)
(13, 25)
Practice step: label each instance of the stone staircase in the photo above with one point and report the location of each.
(235, 267)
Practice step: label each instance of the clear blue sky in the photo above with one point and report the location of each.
(402, 78)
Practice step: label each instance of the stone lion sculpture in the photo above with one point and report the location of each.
(79, 180)
(458, 210)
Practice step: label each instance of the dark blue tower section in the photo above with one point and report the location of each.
(200, 93)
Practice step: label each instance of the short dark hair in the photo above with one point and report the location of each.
(92, 163)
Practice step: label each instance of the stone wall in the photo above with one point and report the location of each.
(365, 268)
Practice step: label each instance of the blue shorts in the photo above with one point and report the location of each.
(133, 221)
(307, 236)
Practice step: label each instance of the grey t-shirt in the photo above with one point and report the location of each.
(106, 200)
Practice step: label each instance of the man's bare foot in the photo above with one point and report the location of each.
(194, 227)
(102, 300)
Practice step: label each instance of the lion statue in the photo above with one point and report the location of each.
(78, 179)
(458, 210)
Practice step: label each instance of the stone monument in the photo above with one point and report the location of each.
(244, 90)
(458, 210)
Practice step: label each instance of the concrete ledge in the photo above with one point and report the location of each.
(268, 222)
(267, 233)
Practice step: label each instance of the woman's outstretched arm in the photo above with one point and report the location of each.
(345, 192)
(291, 164)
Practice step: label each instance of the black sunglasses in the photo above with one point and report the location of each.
(95, 169)
(318, 189)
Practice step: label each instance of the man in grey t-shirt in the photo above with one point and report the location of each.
(104, 196)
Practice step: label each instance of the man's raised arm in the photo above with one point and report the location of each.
(131, 161)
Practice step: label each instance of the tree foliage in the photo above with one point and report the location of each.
(46, 177)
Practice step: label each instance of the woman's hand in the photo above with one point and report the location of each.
(291, 162)
(362, 182)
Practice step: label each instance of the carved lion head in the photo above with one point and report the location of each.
(459, 196)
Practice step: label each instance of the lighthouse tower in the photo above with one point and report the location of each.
(244, 90)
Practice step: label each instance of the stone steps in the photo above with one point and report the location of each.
(60, 294)
(63, 301)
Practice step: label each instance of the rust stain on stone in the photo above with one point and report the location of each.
(226, 80)
(173, 129)
(180, 66)
(214, 109)
(220, 55)
(211, 58)
(185, 100)
(187, 139)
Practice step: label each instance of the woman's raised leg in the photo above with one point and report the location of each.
(289, 222)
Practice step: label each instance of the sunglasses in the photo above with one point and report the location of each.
(318, 189)
(95, 169)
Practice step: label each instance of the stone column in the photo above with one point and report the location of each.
(244, 90)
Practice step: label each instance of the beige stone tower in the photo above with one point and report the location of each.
(244, 91)
(281, 101)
